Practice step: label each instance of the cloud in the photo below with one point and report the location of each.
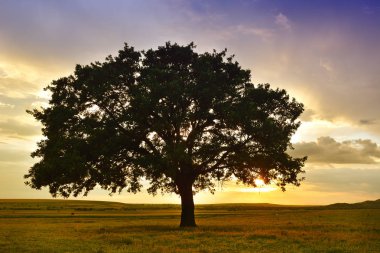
(2, 73)
(344, 180)
(5, 105)
(326, 65)
(14, 128)
(308, 115)
(283, 22)
(368, 121)
(328, 150)
(14, 156)
(263, 33)
(17, 88)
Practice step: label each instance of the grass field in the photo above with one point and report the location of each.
(91, 226)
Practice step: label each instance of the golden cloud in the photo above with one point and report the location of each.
(328, 150)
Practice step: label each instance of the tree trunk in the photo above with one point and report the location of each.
(187, 204)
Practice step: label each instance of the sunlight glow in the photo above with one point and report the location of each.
(44, 94)
(259, 182)
(260, 187)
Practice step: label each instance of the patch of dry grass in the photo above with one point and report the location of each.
(113, 227)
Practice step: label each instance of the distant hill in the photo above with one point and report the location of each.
(369, 204)
(78, 205)
(88, 205)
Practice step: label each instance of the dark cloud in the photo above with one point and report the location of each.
(307, 115)
(328, 150)
(367, 121)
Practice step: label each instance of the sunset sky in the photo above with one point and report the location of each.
(325, 53)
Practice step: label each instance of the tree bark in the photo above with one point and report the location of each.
(187, 204)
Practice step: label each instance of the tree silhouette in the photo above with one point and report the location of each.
(179, 119)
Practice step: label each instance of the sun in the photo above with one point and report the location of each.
(260, 187)
(259, 182)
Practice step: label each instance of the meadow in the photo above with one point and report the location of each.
(93, 226)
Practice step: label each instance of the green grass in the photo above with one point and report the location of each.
(94, 226)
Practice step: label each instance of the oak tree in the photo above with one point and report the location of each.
(178, 119)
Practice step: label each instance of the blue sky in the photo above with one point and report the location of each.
(324, 53)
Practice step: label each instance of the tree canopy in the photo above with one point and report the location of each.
(179, 119)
